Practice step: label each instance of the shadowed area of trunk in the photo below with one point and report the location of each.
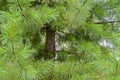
(50, 42)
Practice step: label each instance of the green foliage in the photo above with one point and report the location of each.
(80, 26)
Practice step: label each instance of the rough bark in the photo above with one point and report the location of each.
(50, 42)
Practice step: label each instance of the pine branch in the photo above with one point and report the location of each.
(12, 45)
(65, 33)
(78, 10)
(35, 3)
(106, 22)
(20, 8)
(81, 8)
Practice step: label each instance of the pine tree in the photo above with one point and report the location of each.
(83, 34)
(57, 16)
(51, 15)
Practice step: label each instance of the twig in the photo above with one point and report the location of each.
(105, 22)
(20, 8)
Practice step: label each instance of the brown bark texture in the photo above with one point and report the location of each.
(50, 42)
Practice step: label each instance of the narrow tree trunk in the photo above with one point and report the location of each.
(50, 42)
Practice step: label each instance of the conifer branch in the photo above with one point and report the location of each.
(106, 22)
(12, 45)
(78, 10)
(20, 8)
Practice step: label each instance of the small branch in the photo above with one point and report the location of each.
(36, 3)
(105, 22)
(13, 48)
(80, 9)
(20, 8)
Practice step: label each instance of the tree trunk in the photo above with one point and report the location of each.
(50, 42)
